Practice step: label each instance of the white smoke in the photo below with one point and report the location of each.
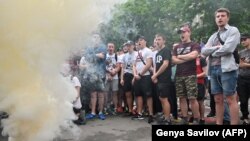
(35, 38)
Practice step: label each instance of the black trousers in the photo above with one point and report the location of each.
(244, 94)
(173, 101)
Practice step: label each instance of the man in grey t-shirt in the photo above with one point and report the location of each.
(244, 77)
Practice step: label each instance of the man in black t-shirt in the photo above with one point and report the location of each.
(162, 76)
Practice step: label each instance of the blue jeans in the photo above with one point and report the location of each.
(223, 82)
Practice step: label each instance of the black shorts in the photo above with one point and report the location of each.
(128, 77)
(164, 90)
(143, 87)
(76, 111)
(201, 92)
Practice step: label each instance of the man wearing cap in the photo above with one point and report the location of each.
(244, 77)
(142, 77)
(222, 65)
(184, 55)
(127, 74)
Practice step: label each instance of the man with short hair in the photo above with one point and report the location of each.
(222, 65)
(142, 77)
(111, 83)
(162, 76)
(184, 55)
(244, 77)
(93, 64)
(127, 75)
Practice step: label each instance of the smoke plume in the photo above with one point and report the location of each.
(35, 38)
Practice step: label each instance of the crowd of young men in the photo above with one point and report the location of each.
(158, 76)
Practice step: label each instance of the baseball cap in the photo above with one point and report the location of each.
(129, 43)
(245, 35)
(183, 29)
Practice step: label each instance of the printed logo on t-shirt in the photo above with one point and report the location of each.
(158, 59)
(186, 50)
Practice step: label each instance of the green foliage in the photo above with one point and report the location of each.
(148, 17)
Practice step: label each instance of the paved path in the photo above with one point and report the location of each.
(115, 128)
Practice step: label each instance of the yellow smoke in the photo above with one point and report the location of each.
(35, 38)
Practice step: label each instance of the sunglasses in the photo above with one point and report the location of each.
(243, 39)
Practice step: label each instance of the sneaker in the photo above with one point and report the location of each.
(183, 122)
(130, 114)
(226, 122)
(137, 116)
(102, 116)
(160, 118)
(195, 122)
(176, 120)
(211, 114)
(191, 119)
(79, 122)
(4, 115)
(165, 122)
(243, 117)
(245, 122)
(150, 119)
(90, 116)
(202, 122)
(119, 110)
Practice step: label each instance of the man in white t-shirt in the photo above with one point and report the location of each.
(127, 75)
(142, 79)
(112, 69)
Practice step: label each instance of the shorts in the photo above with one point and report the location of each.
(128, 77)
(143, 87)
(163, 90)
(201, 92)
(112, 85)
(186, 86)
(223, 82)
(76, 110)
(93, 83)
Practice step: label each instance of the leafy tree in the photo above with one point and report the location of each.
(148, 17)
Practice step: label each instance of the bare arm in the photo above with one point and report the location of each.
(100, 55)
(136, 76)
(116, 70)
(190, 56)
(162, 68)
(204, 73)
(244, 64)
(78, 91)
(176, 60)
